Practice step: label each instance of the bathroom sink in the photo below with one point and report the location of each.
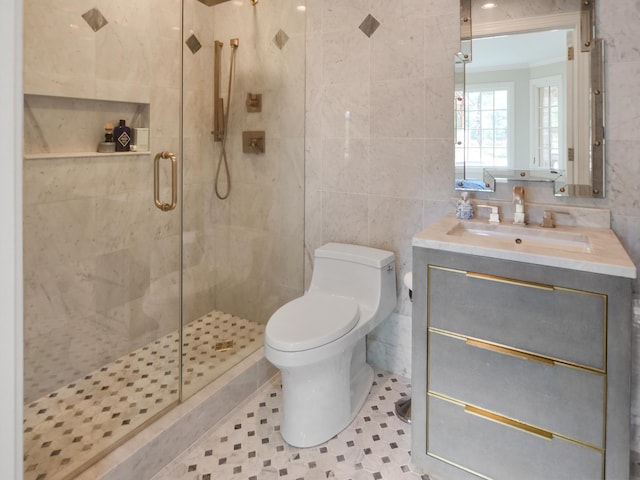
(590, 249)
(525, 235)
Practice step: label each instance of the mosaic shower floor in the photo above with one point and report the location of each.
(66, 429)
(247, 444)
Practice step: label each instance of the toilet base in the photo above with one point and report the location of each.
(320, 400)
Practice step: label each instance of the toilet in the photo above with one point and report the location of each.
(318, 341)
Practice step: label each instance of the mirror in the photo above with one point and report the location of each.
(529, 96)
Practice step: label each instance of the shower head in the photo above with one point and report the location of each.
(235, 42)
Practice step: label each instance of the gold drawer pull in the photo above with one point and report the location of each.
(507, 351)
(510, 281)
(494, 417)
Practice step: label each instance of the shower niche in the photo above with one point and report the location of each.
(57, 127)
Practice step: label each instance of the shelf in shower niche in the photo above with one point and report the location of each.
(58, 155)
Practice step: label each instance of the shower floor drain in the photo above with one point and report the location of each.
(224, 346)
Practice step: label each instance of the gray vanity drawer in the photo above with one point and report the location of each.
(565, 400)
(488, 447)
(559, 323)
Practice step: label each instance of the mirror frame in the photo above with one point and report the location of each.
(589, 43)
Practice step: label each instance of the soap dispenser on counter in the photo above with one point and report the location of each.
(464, 207)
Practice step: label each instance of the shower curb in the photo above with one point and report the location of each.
(145, 454)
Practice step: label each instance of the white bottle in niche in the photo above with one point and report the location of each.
(464, 207)
(141, 139)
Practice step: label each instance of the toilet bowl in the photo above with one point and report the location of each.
(318, 341)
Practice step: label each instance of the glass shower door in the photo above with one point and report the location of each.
(243, 249)
(102, 228)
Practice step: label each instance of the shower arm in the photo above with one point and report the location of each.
(218, 105)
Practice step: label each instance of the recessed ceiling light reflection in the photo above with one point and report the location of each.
(489, 5)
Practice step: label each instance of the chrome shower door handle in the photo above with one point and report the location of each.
(165, 207)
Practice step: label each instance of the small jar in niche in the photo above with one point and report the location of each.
(108, 145)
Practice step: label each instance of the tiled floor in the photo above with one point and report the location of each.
(67, 428)
(247, 445)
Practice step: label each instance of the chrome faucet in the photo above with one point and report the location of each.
(518, 199)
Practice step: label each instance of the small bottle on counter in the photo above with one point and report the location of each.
(122, 135)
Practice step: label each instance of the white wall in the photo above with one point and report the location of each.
(10, 240)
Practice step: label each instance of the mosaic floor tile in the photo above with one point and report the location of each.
(64, 354)
(65, 429)
(247, 445)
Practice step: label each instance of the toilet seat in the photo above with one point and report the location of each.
(311, 321)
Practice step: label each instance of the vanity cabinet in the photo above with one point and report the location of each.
(520, 370)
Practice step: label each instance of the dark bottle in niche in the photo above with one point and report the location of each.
(122, 136)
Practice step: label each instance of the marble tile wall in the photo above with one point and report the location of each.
(379, 150)
(253, 240)
(379, 146)
(65, 56)
(617, 21)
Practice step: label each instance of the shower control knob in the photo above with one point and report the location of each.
(254, 102)
(253, 141)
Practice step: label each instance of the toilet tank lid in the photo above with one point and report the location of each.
(373, 257)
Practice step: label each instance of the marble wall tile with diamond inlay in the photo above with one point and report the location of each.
(369, 25)
(95, 19)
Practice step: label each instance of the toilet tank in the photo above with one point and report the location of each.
(364, 273)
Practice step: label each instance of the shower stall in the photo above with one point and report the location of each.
(129, 308)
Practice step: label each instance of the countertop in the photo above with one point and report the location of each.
(604, 254)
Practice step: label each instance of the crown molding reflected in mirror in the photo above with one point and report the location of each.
(529, 96)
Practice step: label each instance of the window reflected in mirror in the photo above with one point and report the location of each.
(523, 99)
(516, 103)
